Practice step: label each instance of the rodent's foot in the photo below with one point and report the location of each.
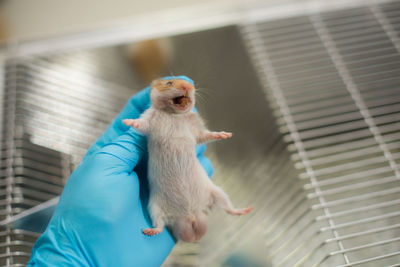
(220, 135)
(134, 123)
(241, 211)
(152, 231)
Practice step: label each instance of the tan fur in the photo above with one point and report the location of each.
(162, 85)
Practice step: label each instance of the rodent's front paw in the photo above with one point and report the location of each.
(130, 122)
(220, 135)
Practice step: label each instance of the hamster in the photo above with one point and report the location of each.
(181, 193)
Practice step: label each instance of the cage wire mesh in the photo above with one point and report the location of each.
(51, 115)
(332, 81)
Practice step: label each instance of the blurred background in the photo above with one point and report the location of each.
(310, 89)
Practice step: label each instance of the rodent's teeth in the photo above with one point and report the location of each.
(184, 102)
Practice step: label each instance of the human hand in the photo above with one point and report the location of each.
(103, 207)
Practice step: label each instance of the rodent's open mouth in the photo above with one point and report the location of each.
(181, 101)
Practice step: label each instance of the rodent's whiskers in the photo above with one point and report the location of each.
(204, 91)
(171, 73)
(201, 95)
(201, 98)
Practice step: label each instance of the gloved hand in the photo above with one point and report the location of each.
(103, 208)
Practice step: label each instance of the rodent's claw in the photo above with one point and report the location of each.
(130, 122)
(225, 135)
(152, 231)
(221, 135)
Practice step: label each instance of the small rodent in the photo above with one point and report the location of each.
(181, 193)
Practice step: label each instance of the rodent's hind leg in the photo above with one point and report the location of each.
(220, 198)
(157, 218)
(158, 224)
(152, 231)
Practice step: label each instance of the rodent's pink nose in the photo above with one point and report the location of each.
(185, 87)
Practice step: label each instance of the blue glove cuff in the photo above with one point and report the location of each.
(181, 77)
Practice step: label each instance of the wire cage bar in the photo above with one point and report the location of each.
(333, 78)
(324, 179)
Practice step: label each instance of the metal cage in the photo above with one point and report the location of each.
(317, 134)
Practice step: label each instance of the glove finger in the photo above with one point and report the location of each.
(133, 108)
(204, 161)
(122, 154)
(200, 149)
(207, 166)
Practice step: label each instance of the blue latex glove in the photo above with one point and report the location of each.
(103, 208)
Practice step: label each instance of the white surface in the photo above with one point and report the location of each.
(44, 18)
(49, 26)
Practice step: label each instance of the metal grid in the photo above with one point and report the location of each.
(334, 80)
(51, 114)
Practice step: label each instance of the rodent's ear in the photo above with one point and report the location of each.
(155, 82)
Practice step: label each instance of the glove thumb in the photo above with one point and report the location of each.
(123, 153)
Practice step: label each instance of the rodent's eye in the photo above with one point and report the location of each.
(169, 83)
